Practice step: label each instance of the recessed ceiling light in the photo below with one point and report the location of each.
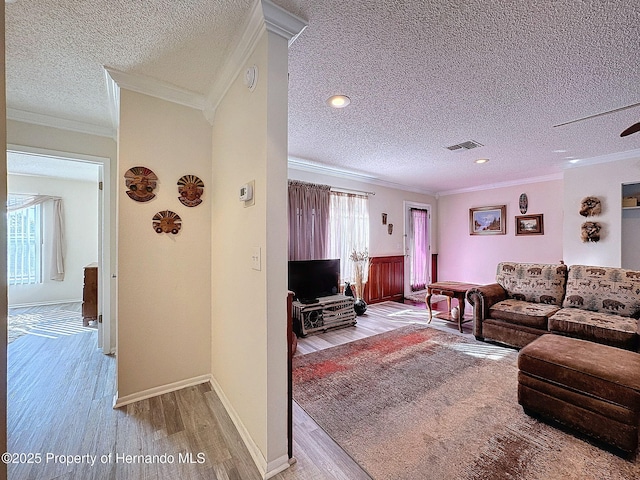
(575, 160)
(569, 158)
(338, 101)
(482, 160)
(559, 151)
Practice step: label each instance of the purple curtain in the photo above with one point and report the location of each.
(420, 249)
(308, 220)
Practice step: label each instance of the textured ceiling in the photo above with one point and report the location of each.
(46, 166)
(421, 75)
(56, 49)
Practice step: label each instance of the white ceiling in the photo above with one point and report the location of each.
(421, 75)
(36, 165)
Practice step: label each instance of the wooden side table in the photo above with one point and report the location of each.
(456, 290)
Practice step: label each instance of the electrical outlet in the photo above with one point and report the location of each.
(256, 260)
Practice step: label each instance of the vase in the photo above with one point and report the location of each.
(360, 306)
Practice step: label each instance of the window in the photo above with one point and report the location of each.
(324, 224)
(348, 230)
(24, 243)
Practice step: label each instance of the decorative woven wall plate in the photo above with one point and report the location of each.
(190, 189)
(140, 182)
(167, 222)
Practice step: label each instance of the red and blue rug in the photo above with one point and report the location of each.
(419, 403)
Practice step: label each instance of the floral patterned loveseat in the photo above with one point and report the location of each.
(600, 304)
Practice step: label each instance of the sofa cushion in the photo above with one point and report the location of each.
(523, 313)
(604, 289)
(533, 282)
(607, 328)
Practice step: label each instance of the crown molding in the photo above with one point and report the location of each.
(584, 162)
(512, 183)
(610, 157)
(156, 88)
(281, 22)
(264, 15)
(58, 122)
(307, 166)
(113, 93)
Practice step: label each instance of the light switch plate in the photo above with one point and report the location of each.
(256, 259)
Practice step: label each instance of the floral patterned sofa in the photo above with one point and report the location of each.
(600, 304)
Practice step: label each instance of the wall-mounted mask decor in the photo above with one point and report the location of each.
(590, 206)
(523, 203)
(390, 228)
(167, 222)
(384, 218)
(140, 182)
(591, 231)
(190, 189)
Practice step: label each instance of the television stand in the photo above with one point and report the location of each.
(329, 312)
(308, 301)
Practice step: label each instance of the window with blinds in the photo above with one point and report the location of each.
(24, 245)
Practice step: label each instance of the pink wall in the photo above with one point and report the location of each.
(473, 258)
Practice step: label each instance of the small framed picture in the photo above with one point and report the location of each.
(529, 225)
(488, 220)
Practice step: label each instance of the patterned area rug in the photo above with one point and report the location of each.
(418, 403)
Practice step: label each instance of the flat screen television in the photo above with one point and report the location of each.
(311, 279)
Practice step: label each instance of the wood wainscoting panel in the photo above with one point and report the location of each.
(386, 279)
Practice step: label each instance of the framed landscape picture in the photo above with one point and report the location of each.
(529, 225)
(488, 220)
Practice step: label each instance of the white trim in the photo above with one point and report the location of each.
(113, 92)
(266, 470)
(59, 123)
(313, 167)
(47, 152)
(276, 466)
(156, 88)
(281, 22)
(155, 391)
(511, 183)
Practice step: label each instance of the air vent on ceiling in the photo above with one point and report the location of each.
(468, 145)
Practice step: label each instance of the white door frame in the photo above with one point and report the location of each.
(407, 259)
(106, 252)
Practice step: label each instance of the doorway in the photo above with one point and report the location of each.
(78, 184)
(417, 249)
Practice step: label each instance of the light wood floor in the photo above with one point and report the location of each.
(60, 403)
(45, 320)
